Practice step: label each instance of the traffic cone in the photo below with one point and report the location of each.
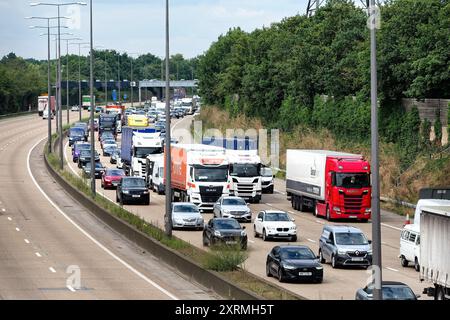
(407, 221)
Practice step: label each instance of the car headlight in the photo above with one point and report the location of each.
(270, 228)
(145, 192)
(217, 233)
(288, 266)
(337, 209)
(293, 227)
(200, 220)
(342, 251)
(226, 211)
(369, 251)
(319, 268)
(126, 192)
(178, 221)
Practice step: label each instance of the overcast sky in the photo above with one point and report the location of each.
(137, 26)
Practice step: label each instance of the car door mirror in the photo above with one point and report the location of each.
(329, 241)
(418, 296)
(370, 241)
(292, 219)
(243, 227)
(259, 219)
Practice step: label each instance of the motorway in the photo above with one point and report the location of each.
(52, 248)
(337, 284)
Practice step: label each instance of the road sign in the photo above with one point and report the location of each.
(114, 95)
(125, 96)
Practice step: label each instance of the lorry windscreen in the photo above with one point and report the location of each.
(245, 170)
(143, 152)
(211, 174)
(352, 180)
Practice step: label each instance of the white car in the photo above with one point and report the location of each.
(75, 108)
(45, 114)
(410, 246)
(275, 224)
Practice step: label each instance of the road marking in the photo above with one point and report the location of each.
(17, 229)
(291, 212)
(26, 241)
(251, 241)
(284, 193)
(392, 269)
(4, 210)
(70, 288)
(88, 235)
(389, 226)
(52, 270)
(311, 240)
(38, 254)
(321, 222)
(9, 218)
(268, 204)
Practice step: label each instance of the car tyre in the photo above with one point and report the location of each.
(268, 273)
(403, 261)
(416, 264)
(280, 275)
(321, 258)
(294, 239)
(333, 262)
(205, 242)
(264, 235)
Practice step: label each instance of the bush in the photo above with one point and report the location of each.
(224, 258)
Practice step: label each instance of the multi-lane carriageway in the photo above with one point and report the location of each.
(51, 248)
(337, 283)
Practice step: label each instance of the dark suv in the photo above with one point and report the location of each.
(132, 189)
(226, 231)
(345, 246)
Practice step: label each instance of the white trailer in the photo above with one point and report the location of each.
(435, 250)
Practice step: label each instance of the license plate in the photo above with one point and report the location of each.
(136, 196)
(357, 259)
(231, 242)
(305, 273)
(115, 183)
(354, 217)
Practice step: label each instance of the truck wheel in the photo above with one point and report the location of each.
(416, 265)
(300, 203)
(403, 261)
(328, 213)
(439, 295)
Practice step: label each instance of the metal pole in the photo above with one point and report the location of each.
(118, 73)
(376, 227)
(56, 84)
(67, 82)
(106, 80)
(131, 82)
(167, 166)
(61, 153)
(92, 108)
(79, 81)
(49, 90)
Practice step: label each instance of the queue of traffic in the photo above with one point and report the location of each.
(223, 176)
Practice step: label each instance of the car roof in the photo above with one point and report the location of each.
(349, 229)
(412, 227)
(274, 211)
(287, 246)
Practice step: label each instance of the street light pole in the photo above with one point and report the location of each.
(106, 79)
(118, 74)
(67, 75)
(167, 166)
(92, 105)
(376, 223)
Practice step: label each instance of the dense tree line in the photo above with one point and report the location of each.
(316, 71)
(22, 81)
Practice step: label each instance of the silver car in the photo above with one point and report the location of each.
(232, 207)
(186, 215)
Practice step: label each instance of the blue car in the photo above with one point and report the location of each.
(77, 149)
(76, 134)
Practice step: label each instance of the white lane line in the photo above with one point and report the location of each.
(284, 193)
(52, 270)
(291, 212)
(70, 288)
(251, 241)
(17, 229)
(389, 226)
(38, 254)
(4, 210)
(88, 235)
(392, 269)
(268, 204)
(311, 240)
(26, 241)
(9, 218)
(321, 222)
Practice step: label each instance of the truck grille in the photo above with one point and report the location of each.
(352, 203)
(210, 194)
(244, 188)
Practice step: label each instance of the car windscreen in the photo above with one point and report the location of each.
(210, 174)
(350, 238)
(244, 170)
(85, 153)
(233, 202)
(76, 132)
(133, 183)
(266, 172)
(82, 146)
(109, 141)
(226, 224)
(276, 216)
(398, 293)
(297, 254)
(352, 180)
(115, 172)
(185, 208)
(98, 165)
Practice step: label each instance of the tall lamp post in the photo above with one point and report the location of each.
(376, 223)
(131, 78)
(79, 44)
(49, 88)
(67, 73)
(58, 82)
(91, 84)
(167, 166)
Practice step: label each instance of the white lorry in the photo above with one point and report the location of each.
(199, 174)
(155, 173)
(435, 250)
(245, 174)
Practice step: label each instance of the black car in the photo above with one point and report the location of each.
(99, 169)
(132, 189)
(106, 135)
(76, 134)
(85, 157)
(294, 263)
(226, 231)
(391, 290)
(109, 150)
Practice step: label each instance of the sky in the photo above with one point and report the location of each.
(138, 26)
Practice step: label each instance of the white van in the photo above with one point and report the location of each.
(410, 246)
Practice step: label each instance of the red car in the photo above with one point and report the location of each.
(111, 177)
